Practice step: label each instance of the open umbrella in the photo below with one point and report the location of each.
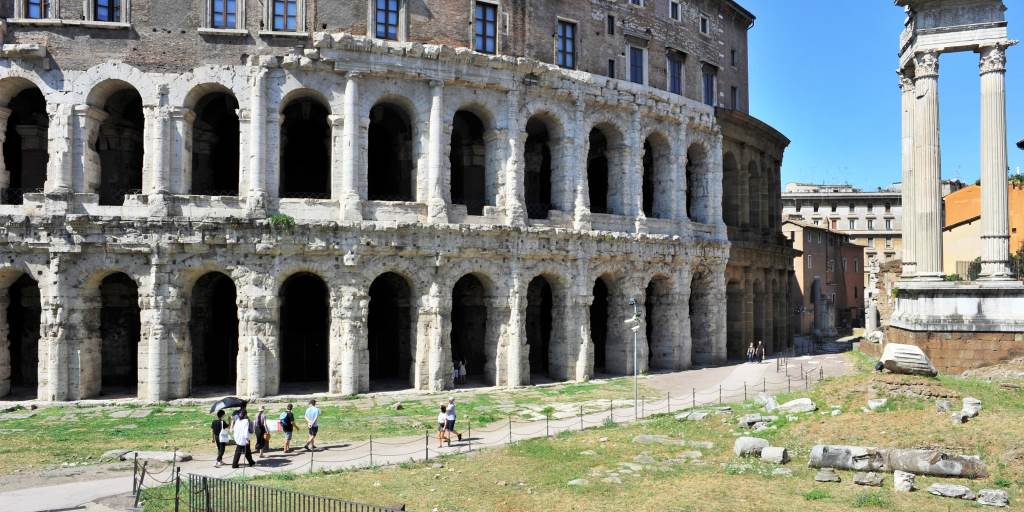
(230, 402)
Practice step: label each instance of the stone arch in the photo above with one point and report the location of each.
(731, 197)
(760, 320)
(19, 336)
(120, 334)
(701, 312)
(213, 331)
(472, 338)
(606, 176)
(736, 342)
(391, 332)
(216, 143)
(25, 153)
(540, 308)
(754, 186)
(473, 183)
(120, 140)
(698, 166)
(305, 146)
(600, 321)
(543, 170)
(661, 322)
(14, 84)
(304, 326)
(391, 155)
(108, 78)
(657, 182)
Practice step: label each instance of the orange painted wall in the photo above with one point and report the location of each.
(966, 203)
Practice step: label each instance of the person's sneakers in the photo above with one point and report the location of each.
(217, 464)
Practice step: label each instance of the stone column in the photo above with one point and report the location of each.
(581, 204)
(769, 314)
(351, 153)
(515, 166)
(5, 174)
(433, 341)
(257, 336)
(56, 299)
(437, 207)
(580, 334)
(908, 95)
(336, 179)
(6, 364)
(256, 200)
(59, 146)
(927, 168)
(514, 333)
(86, 162)
(348, 340)
(182, 120)
(160, 307)
(995, 231)
(635, 170)
(157, 130)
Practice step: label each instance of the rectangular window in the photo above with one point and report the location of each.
(705, 25)
(485, 21)
(732, 57)
(870, 207)
(674, 11)
(709, 85)
(565, 48)
(611, 25)
(853, 224)
(286, 15)
(675, 74)
(223, 14)
(835, 223)
(856, 265)
(37, 9)
(385, 19)
(611, 68)
(888, 224)
(888, 243)
(735, 93)
(637, 2)
(871, 243)
(871, 224)
(844, 263)
(810, 261)
(816, 206)
(636, 65)
(888, 207)
(107, 10)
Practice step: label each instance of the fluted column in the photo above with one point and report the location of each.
(927, 168)
(515, 166)
(351, 152)
(257, 191)
(995, 231)
(437, 207)
(909, 177)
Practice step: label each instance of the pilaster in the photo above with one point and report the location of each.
(258, 336)
(256, 198)
(348, 341)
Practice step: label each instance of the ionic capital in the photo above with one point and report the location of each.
(926, 65)
(993, 60)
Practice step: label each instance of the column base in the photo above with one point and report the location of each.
(351, 208)
(437, 212)
(581, 220)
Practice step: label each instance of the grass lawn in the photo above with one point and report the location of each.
(623, 475)
(80, 435)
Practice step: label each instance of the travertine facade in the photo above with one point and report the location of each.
(341, 213)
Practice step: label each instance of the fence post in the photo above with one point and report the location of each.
(206, 494)
(135, 472)
(719, 394)
(611, 415)
(311, 461)
(802, 374)
(547, 425)
(177, 489)
(371, 450)
(426, 446)
(693, 398)
(174, 459)
(509, 429)
(789, 384)
(581, 418)
(764, 384)
(643, 408)
(668, 402)
(469, 425)
(806, 385)
(744, 391)
(142, 478)
(821, 373)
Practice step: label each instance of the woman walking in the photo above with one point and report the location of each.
(241, 431)
(221, 436)
(442, 420)
(261, 431)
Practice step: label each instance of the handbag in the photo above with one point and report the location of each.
(224, 436)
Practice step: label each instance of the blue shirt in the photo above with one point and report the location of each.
(312, 415)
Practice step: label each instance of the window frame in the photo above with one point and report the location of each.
(630, 53)
(734, 92)
(673, 59)
(208, 12)
(675, 10)
(559, 46)
(473, 26)
(612, 71)
(403, 20)
(704, 24)
(125, 12)
(52, 8)
(706, 70)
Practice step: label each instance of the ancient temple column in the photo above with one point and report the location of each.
(580, 333)
(160, 308)
(348, 340)
(515, 166)
(351, 152)
(927, 168)
(257, 190)
(909, 234)
(433, 340)
(182, 121)
(157, 123)
(514, 333)
(995, 232)
(437, 207)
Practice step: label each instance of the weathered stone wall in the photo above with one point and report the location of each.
(955, 352)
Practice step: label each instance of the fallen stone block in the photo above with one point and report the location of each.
(972, 407)
(827, 475)
(993, 498)
(943, 405)
(903, 481)
(871, 479)
(908, 360)
(114, 454)
(877, 403)
(952, 491)
(749, 446)
(798, 406)
(692, 416)
(920, 462)
(775, 455)
(959, 418)
(750, 420)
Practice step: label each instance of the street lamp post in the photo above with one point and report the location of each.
(634, 324)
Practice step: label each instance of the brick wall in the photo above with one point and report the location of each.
(954, 352)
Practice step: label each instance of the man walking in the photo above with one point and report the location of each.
(450, 423)
(287, 426)
(313, 421)
(221, 436)
(240, 431)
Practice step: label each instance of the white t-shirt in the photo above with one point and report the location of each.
(451, 411)
(440, 418)
(240, 431)
(312, 415)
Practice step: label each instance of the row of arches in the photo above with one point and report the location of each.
(304, 332)
(750, 193)
(305, 145)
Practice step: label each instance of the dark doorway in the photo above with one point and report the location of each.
(120, 331)
(305, 150)
(469, 162)
(390, 331)
(731, 199)
(389, 169)
(25, 148)
(599, 325)
(659, 318)
(469, 325)
(215, 144)
(736, 344)
(23, 314)
(538, 325)
(648, 181)
(213, 329)
(120, 147)
(305, 321)
(696, 167)
(597, 171)
(537, 157)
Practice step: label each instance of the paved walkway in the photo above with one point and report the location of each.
(710, 386)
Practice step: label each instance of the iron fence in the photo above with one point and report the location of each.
(208, 494)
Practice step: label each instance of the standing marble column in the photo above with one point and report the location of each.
(352, 150)
(515, 167)
(581, 146)
(158, 124)
(437, 207)
(256, 196)
(433, 340)
(908, 95)
(927, 168)
(995, 231)
(59, 147)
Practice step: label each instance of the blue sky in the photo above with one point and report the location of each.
(823, 72)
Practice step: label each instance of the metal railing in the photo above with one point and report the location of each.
(210, 494)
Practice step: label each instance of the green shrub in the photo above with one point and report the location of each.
(817, 494)
(282, 221)
(871, 499)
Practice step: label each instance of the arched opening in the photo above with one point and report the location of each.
(23, 315)
(737, 345)
(469, 162)
(390, 161)
(648, 179)
(305, 324)
(731, 199)
(215, 143)
(390, 326)
(660, 318)
(599, 325)
(25, 147)
(701, 311)
(696, 169)
(120, 332)
(754, 186)
(597, 172)
(213, 331)
(305, 150)
(539, 317)
(759, 313)
(469, 326)
(537, 157)
(120, 147)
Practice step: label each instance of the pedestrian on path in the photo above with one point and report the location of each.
(287, 427)
(760, 351)
(450, 420)
(313, 421)
(462, 371)
(241, 430)
(221, 436)
(442, 426)
(750, 352)
(261, 431)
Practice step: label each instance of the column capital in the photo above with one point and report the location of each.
(926, 65)
(436, 85)
(906, 83)
(992, 60)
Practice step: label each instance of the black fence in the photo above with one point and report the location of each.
(208, 494)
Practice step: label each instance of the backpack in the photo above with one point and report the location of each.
(285, 420)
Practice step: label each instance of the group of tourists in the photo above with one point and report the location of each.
(240, 430)
(446, 423)
(755, 353)
(459, 372)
